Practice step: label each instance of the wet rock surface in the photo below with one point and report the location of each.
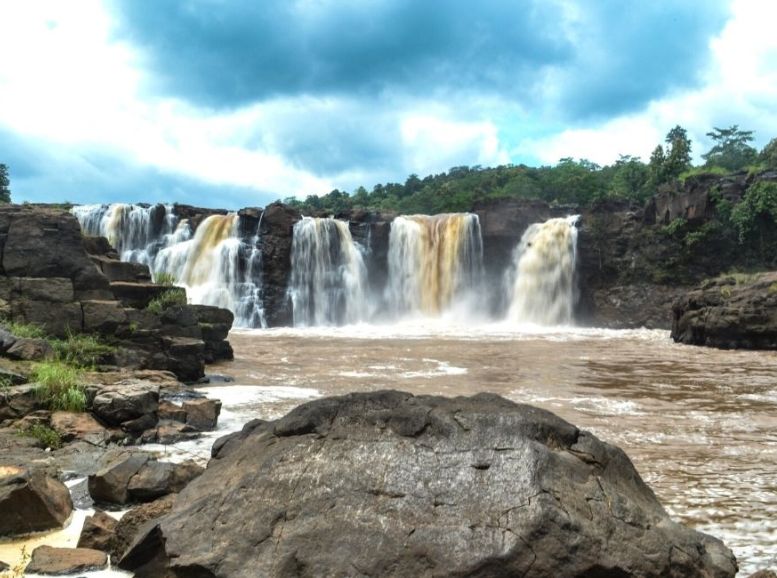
(51, 561)
(730, 312)
(390, 484)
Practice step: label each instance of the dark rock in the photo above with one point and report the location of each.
(103, 317)
(171, 432)
(218, 351)
(31, 501)
(110, 484)
(116, 404)
(388, 484)
(48, 289)
(98, 532)
(136, 294)
(58, 561)
(3, 566)
(30, 349)
(202, 414)
(99, 246)
(730, 313)
(58, 320)
(127, 271)
(207, 314)
(277, 228)
(184, 357)
(634, 306)
(42, 242)
(18, 401)
(157, 479)
(136, 518)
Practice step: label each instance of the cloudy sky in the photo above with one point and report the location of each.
(240, 102)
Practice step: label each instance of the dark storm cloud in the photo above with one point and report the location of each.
(617, 57)
(47, 173)
(631, 53)
(230, 53)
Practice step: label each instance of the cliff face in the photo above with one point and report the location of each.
(52, 277)
(633, 261)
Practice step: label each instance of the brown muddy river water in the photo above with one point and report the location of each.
(700, 424)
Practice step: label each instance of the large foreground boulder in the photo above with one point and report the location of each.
(388, 484)
(30, 501)
(730, 312)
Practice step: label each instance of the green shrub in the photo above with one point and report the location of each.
(44, 434)
(169, 298)
(165, 278)
(81, 350)
(58, 386)
(25, 330)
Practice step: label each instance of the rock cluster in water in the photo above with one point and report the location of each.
(391, 484)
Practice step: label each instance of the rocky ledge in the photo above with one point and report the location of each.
(391, 484)
(730, 312)
(53, 278)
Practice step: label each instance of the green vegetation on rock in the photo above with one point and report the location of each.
(169, 298)
(59, 386)
(81, 350)
(45, 435)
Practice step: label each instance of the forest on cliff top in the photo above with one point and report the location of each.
(575, 182)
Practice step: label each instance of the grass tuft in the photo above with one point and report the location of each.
(169, 298)
(58, 385)
(44, 434)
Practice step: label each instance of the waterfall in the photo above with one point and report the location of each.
(541, 282)
(434, 262)
(135, 231)
(216, 266)
(328, 275)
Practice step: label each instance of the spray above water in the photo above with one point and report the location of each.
(434, 262)
(541, 282)
(328, 275)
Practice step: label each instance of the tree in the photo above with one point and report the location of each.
(5, 181)
(678, 155)
(768, 156)
(629, 178)
(755, 216)
(731, 150)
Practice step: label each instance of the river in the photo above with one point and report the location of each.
(700, 424)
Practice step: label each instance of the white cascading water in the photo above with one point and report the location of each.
(541, 283)
(434, 262)
(328, 274)
(208, 265)
(136, 232)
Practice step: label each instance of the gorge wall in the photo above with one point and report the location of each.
(276, 267)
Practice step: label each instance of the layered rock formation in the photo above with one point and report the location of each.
(388, 484)
(47, 278)
(730, 312)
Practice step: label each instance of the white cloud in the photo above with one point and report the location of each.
(740, 87)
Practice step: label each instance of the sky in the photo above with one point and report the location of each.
(232, 103)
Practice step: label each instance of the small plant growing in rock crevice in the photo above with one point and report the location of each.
(81, 350)
(25, 330)
(165, 278)
(58, 386)
(166, 300)
(44, 434)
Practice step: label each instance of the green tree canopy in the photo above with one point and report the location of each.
(731, 150)
(678, 154)
(5, 182)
